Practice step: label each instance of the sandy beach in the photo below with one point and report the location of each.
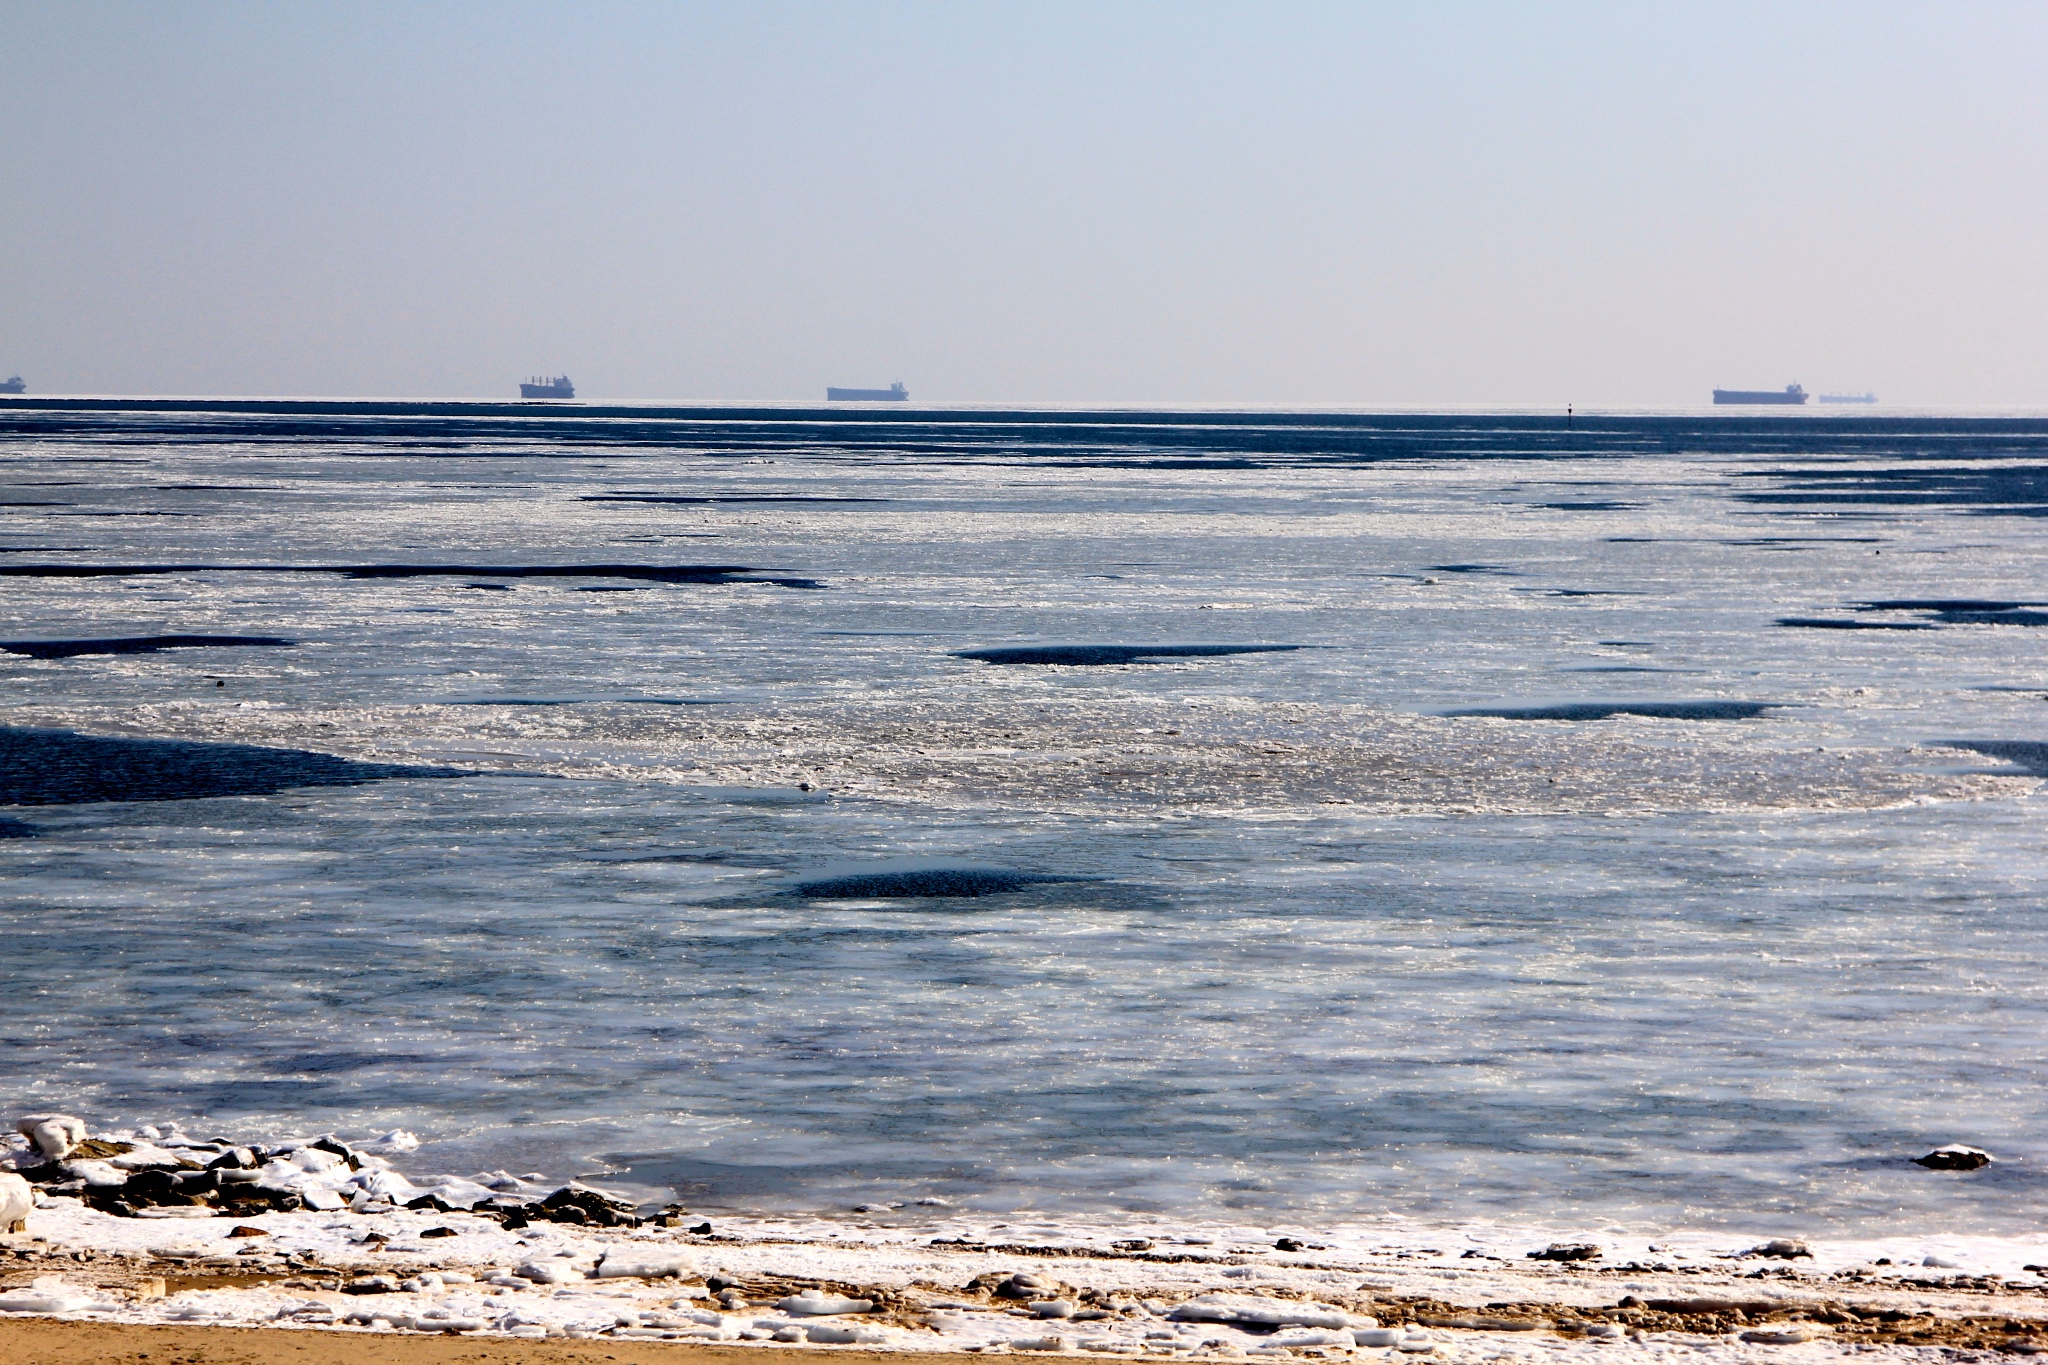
(85, 1286)
(42, 1342)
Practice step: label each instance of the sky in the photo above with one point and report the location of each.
(1359, 204)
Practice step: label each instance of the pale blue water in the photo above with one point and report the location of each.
(1721, 970)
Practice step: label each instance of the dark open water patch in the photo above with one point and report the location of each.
(651, 573)
(756, 497)
(1775, 542)
(584, 701)
(18, 829)
(58, 767)
(2014, 490)
(893, 881)
(2029, 755)
(1846, 623)
(1604, 710)
(1588, 505)
(134, 644)
(1473, 568)
(1944, 604)
(2009, 617)
(1088, 656)
(1935, 611)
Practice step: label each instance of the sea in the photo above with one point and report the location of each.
(1302, 816)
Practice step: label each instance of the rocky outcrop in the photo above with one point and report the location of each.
(124, 1178)
(1955, 1157)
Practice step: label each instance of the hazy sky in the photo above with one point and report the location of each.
(1348, 203)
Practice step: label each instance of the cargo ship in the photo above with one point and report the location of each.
(541, 387)
(14, 385)
(895, 393)
(1791, 393)
(1848, 398)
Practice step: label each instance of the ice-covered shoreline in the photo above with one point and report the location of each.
(934, 1279)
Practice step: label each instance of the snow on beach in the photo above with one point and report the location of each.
(321, 1233)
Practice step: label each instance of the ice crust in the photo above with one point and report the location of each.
(1333, 953)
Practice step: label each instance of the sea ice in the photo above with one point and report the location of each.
(1249, 1311)
(817, 1303)
(17, 1200)
(54, 1135)
(639, 1265)
(49, 1294)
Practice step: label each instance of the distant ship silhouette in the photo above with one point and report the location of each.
(1791, 393)
(895, 393)
(14, 385)
(541, 387)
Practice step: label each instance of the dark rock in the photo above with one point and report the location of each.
(1567, 1251)
(98, 1149)
(246, 1231)
(439, 1232)
(1026, 1286)
(1287, 1244)
(572, 1205)
(1134, 1244)
(702, 1229)
(1954, 1157)
(1783, 1249)
(197, 1182)
(150, 1187)
(340, 1149)
(234, 1159)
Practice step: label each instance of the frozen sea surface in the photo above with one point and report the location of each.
(1565, 873)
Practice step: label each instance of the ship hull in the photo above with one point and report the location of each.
(866, 396)
(1779, 397)
(545, 391)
